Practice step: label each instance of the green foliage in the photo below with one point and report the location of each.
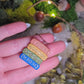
(44, 6)
(79, 24)
(18, 2)
(34, 1)
(69, 15)
(20, 13)
(50, 21)
(3, 16)
(10, 3)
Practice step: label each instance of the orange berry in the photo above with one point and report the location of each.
(57, 28)
(68, 7)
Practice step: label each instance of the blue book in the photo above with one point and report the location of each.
(29, 61)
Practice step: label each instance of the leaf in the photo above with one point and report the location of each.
(69, 15)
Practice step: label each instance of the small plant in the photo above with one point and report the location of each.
(3, 17)
(20, 13)
(10, 3)
(69, 15)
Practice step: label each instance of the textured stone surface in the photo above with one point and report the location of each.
(37, 51)
(32, 56)
(40, 45)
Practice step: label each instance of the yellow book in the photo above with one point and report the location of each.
(37, 51)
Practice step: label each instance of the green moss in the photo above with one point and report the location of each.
(69, 15)
(3, 17)
(10, 3)
(44, 6)
(49, 22)
(20, 13)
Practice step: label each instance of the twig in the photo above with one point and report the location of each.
(35, 5)
(55, 4)
(72, 26)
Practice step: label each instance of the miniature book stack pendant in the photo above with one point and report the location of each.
(35, 53)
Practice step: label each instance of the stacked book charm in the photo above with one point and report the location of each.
(35, 53)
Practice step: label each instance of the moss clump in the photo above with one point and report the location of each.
(44, 6)
(50, 22)
(20, 13)
(3, 17)
(10, 3)
(69, 15)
